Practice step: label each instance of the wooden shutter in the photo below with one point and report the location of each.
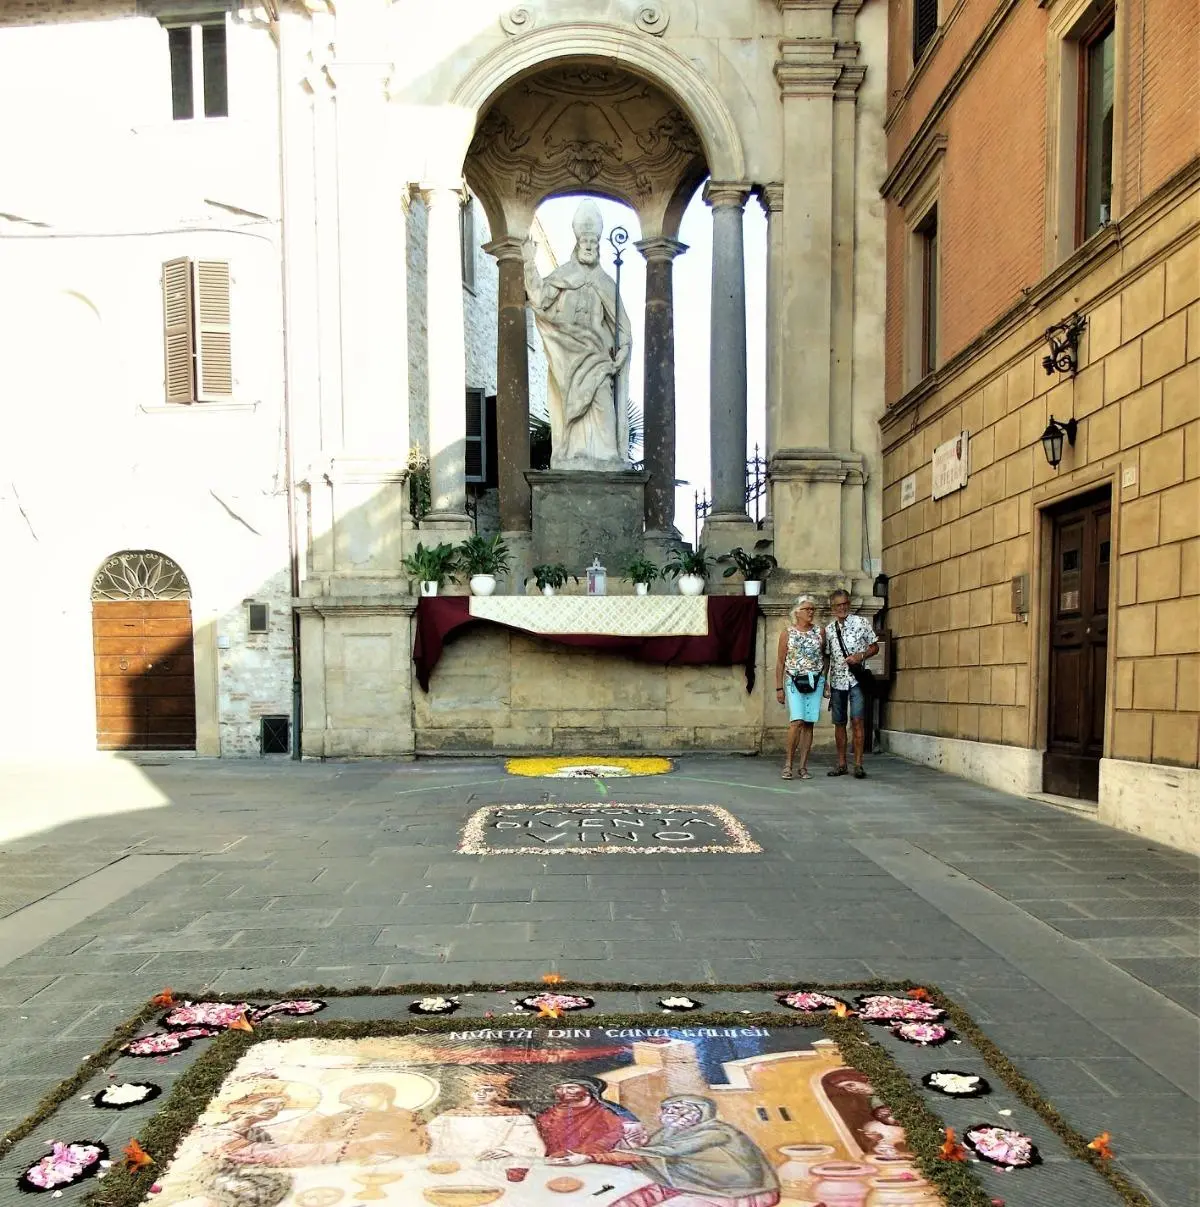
(214, 361)
(925, 25)
(476, 454)
(177, 330)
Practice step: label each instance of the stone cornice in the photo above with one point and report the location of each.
(732, 194)
(356, 605)
(770, 197)
(508, 248)
(911, 169)
(816, 465)
(660, 248)
(1063, 282)
(434, 192)
(849, 82)
(808, 66)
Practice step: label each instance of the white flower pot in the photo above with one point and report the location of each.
(752, 586)
(547, 590)
(483, 584)
(641, 588)
(429, 587)
(691, 584)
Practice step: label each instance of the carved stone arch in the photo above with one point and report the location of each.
(139, 574)
(647, 57)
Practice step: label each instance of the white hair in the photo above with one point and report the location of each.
(800, 602)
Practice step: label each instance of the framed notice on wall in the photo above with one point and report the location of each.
(951, 465)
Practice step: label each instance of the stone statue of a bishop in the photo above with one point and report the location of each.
(577, 312)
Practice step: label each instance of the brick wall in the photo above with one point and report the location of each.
(964, 659)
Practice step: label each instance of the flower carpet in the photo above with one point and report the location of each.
(866, 1095)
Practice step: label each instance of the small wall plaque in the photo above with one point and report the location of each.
(950, 465)
(908, 491)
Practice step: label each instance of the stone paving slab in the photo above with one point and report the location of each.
(329, 853)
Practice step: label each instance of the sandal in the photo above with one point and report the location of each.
(787, 773)
(842, 770)
(805, 774)
(859, 773)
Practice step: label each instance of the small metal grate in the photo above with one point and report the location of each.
(276, 735)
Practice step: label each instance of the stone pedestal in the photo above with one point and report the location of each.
(580, 513)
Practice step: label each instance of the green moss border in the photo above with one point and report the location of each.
(957, 1182)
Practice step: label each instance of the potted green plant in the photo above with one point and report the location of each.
(754, 566)
(550, 576)
(432, 566)
(641, 571)
(690, 568)
(482, 558)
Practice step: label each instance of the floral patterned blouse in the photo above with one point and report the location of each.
(803, 651)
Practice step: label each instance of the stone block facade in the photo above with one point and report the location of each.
(969, 667)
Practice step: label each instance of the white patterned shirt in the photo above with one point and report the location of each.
(858, 635)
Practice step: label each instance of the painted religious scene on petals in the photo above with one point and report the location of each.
(623, 1117)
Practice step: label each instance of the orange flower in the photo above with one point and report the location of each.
(918, 994)
(843, 1011)
(136, 1157)
(1100, 1146)
(552, 978)
(545, 1011)
(166, 998)
(241, 1023)
(951, 1150)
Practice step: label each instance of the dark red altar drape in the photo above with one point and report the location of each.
(732, 629)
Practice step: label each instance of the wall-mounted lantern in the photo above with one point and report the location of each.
(1063, 339)
(1052, 439)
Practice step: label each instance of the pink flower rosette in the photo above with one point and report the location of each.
(64, 1165)
(164, 1043)
(556, 1001)
(925, 1034)
(204, 1014)
(296, 1007)
(808, 1001)
(1002, 1146)
(885, 1008)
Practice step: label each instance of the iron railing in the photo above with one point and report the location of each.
(756, 495)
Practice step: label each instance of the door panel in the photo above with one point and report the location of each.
(1078, 657)
(145, 678)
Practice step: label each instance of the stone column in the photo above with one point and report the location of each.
(658, 408)
(512, 385)
(447, 359)
(727, 364)
(771, 199)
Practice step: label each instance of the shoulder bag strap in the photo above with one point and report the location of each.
(837, 628)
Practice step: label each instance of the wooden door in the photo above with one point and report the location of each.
(1078, 662)
(145, 679)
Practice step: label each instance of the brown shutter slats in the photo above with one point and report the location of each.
(177, 330)
(214, 359)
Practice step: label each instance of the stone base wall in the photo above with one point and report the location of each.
(1162, 803)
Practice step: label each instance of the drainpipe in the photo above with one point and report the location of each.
(288, 444)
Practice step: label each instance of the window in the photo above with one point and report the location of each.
(199, 70)
(1095, 154)
(927, 246)
(258, 616)
(482, 453)
(196, 331)
(924, 26)
(467, 239)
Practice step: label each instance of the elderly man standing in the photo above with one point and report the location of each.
(850, 641)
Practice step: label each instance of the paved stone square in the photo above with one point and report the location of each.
(1074, 946)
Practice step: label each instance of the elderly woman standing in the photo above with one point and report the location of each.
(800, 680)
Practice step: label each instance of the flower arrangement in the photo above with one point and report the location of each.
(435, 564)
(808, 1002)
(64, 1165)
(555, 1001)
(204, 1014)
(1002, 1146)
(124, 1094)
(925, 1034)
(955, 1084)
(434, 1005)
(754, 567)
(551, 574)
(884, 1008)
(679, 1002)
(481, 555)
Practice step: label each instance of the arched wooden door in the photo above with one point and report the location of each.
(142, 648)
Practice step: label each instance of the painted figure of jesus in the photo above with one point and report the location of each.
(578, 312)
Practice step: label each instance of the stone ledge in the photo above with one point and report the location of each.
(1153, 800)
(1014, 769)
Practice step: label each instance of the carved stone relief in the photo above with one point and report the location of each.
(585, 127)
